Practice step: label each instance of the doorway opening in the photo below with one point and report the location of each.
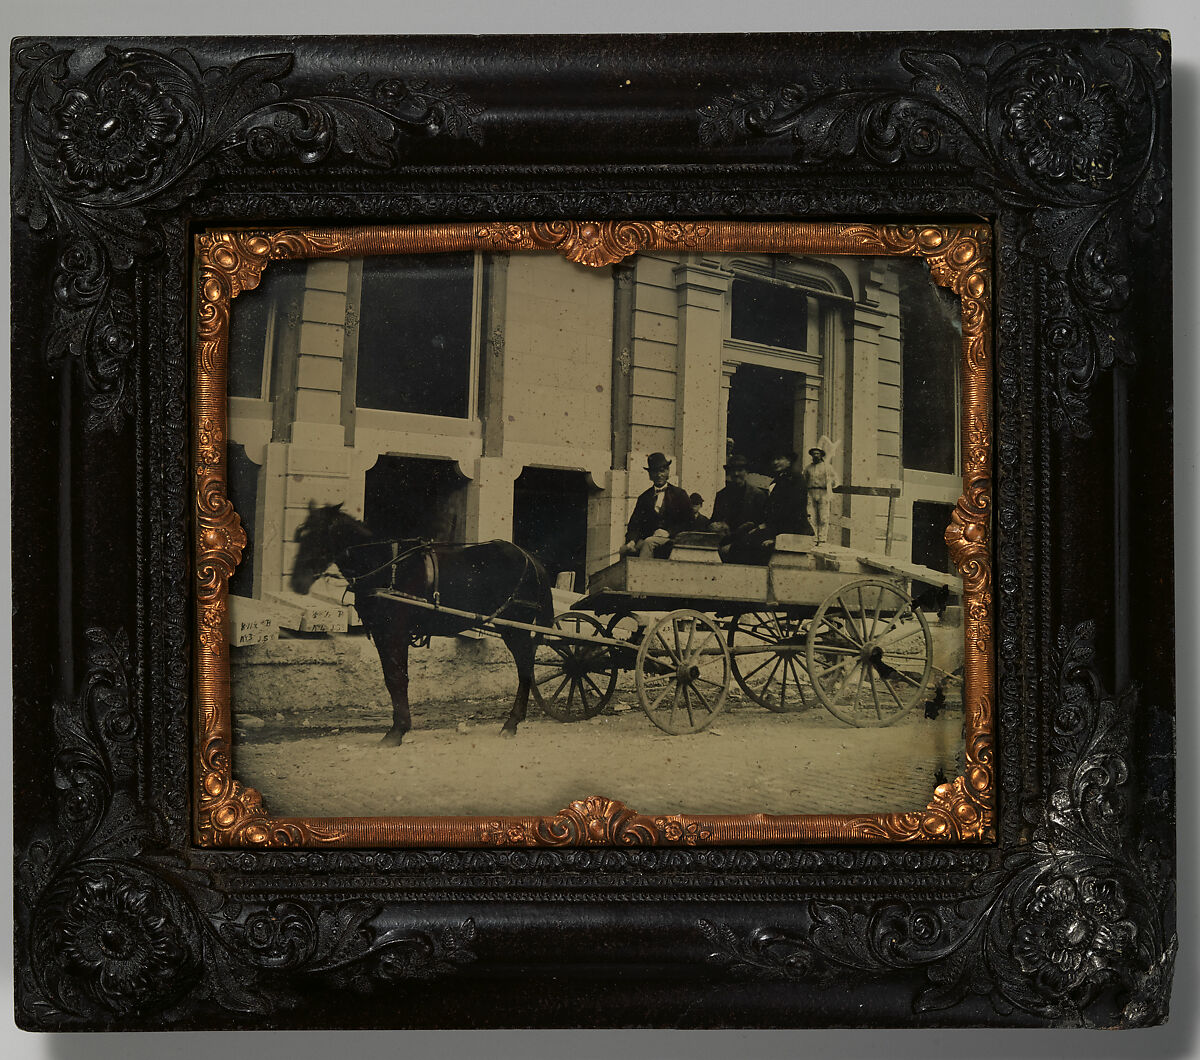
(550, 520)
(763, 415)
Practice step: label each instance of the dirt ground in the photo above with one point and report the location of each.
(331, 763)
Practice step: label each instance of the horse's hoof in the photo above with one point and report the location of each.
(508, 732)
(393, 738)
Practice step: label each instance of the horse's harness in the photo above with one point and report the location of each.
(428, 551)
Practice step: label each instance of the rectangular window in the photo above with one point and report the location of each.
(416, 339)
(771, 314)
(930, 350)
(256, 328)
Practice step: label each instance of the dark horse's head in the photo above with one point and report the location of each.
(322, 537)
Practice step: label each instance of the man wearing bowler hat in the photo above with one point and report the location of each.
(737, 509)
(659, 514)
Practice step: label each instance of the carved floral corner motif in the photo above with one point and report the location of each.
(1074, 927)
(113, 927)
(1067, 139)
(106, 155)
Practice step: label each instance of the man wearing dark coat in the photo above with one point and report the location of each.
(738, 509)
(787, 504)
(660, 513)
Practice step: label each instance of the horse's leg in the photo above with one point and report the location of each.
(392, 645)
(520, 643)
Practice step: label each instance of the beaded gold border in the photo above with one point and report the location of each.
(227, 814)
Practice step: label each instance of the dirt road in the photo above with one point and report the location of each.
(455, 763)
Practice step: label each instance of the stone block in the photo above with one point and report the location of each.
(329, 274)
(250, 622)
(322, 340)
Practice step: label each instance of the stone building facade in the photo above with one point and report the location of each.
(474, 396)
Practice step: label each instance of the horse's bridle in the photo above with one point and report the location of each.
(396, 558)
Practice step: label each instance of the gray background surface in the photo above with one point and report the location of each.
(1181, 1038)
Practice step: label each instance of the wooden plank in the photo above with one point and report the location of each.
(805, 587)
(684, 582)
(912, 571)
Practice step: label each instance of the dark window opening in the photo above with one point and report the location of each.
(242, 477)
(550, 519)
(770, 314)
(929, 522)
(257, 324)
(762, 412)
(409, 497)
(414, 338)
(930, 348)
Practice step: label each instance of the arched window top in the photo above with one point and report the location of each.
(817, 275)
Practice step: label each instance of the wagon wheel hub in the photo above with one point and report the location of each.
(687, 672)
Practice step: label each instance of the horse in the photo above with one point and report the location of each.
(496, 579)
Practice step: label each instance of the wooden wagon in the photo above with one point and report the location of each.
(832, 625)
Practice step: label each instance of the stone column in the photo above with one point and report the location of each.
(717, 473)
(700, 404)
(490, 499)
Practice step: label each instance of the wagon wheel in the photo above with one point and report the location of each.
(572, 680)
(774, 676)
(870, 653)
(683, 672)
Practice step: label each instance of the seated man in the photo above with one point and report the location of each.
(786, 512)
(787, 503)
(699, 521)
(737, 510)
(659, 514)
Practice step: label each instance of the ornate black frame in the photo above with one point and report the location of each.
(122, 151)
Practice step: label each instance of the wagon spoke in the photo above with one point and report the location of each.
(674, 701)
(875, 616)
(848, 631)
(836, 666)
(888, 685)
(700, 695)
(661, 696)
(874, 693)
(783, 684)
(856, 630)
(779, 659)
(897, 618)
(765, 662)
(674, 657)
(796, 677)
(595, 687)
(862, 670)
(687, 704)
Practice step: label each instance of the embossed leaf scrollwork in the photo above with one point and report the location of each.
(113, 927)
(1066, 138)
(106, 156)
(1074, 928)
